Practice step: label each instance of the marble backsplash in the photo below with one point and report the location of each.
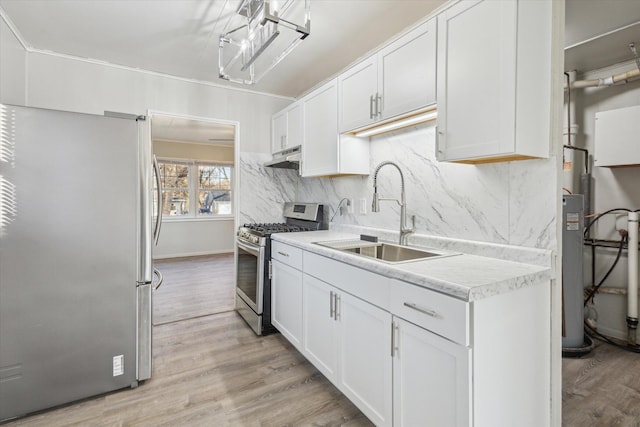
(511, 203)
(263, 191)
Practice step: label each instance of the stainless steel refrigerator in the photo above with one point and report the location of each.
(76, 237)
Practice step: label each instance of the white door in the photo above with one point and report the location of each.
(476, 79)
(431, 379)
(320, 326)
(357, 89)
(407, 72)
(365, 357)
(286, 301)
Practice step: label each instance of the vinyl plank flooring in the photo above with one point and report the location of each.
(194, 286)
(601, 389)
(213, 371)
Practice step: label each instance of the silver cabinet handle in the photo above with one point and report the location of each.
(393, 338)
(336, 311)
(331, 305)
(421, 310)
(371, 115)
(378, 104)
(160, 278)
(283, 253)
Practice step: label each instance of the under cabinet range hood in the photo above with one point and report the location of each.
(286, 159)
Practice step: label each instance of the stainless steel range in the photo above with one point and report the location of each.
(253, 278)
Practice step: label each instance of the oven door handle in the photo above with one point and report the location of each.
(253, 250)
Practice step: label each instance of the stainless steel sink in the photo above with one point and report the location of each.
(385, 252)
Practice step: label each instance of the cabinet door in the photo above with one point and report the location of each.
(320, 152)
(286, 302)
(278, 131)
(320, 327)
(365, 357)
(357, 89)
(407, 72)
(294, 126)
(431, 379)
(476, 80)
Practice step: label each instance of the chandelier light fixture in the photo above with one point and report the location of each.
(260, 35)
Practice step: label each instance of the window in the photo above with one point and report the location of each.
(195, 189)
(214, 190)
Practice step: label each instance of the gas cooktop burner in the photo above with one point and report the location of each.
(268, 228)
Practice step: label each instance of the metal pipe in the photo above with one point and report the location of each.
(585, 186)
(586, 155)
(608, 290)
(608, 81)
(632, 288)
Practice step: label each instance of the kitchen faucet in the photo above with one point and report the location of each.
(375, 205)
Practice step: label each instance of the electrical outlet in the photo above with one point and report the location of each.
(362, 206)
(350, 206)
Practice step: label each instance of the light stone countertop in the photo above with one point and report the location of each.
(467, 277)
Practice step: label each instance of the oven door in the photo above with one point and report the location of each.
(250, 275)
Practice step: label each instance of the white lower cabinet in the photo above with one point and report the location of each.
(408, 356)
(286, 301)
(365, 362)
(348, 340)
(319, 326)
(431, 378)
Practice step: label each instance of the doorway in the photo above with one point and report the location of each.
(196, 161)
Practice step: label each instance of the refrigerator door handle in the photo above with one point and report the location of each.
(158, 226)
(160, 278)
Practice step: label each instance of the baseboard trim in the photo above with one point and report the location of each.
(188, 254)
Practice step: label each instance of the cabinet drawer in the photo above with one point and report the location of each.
(287, 254)
(441, 314)
(368, 286)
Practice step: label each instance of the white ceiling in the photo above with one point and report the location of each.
(598, 33)
(180, 37)
(177, 129)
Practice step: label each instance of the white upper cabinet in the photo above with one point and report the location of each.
(357, 97)
(407, 72)
(287, 128)
(324, 151)
(494, 81)
(398, 79)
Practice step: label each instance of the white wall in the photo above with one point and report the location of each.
(13, 60)
(73, 85)
(612, 188)
(191, 237)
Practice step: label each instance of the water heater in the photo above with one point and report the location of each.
(572, 271)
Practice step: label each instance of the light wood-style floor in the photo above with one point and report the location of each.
(212, 370)
(193, 287)
(601, 389)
